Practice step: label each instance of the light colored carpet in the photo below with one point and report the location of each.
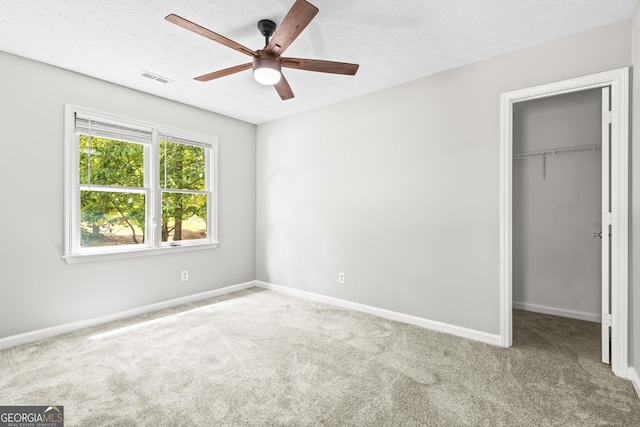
(260, 357)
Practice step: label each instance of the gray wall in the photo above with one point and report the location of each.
(634, 256)
(556, 210)
(38, 288)
(400, 188)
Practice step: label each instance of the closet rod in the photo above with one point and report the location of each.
(557, 152)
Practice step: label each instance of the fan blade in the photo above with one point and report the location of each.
(188, 25)
(283, 89)
(225, 72)
(299, 16)
(321, 66)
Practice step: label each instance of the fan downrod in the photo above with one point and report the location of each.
(267, 27)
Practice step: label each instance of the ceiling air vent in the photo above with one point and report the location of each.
(156, 77)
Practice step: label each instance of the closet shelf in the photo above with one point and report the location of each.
(557, 152)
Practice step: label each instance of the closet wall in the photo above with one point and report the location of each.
(556, 206)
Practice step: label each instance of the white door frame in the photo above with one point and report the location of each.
(619, 82)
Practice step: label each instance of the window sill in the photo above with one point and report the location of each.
(103, 256)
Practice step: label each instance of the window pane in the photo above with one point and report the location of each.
(109, 219)
(182, 166)
(184, 216)
(110, 162)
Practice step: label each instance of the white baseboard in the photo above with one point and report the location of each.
(387, 314)
(80, 324)
(635, 380)
(572, 314)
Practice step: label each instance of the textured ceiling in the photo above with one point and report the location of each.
(393, 41)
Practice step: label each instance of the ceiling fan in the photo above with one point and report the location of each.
(267, 63)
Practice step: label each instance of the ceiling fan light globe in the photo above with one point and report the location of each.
(266, 68)
(266, 75)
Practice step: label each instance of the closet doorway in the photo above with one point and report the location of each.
(516, 140)
(559, 193)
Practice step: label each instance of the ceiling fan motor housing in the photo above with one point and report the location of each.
(269, 65)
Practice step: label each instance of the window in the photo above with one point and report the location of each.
(135, 188)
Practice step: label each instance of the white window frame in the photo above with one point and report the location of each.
(153, 245)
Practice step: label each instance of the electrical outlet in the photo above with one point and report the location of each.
(185, 275)
(342, 278)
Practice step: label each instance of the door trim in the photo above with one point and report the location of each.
(619, 81)
(605, 227)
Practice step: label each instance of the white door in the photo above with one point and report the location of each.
(606, 225)
(618, 155)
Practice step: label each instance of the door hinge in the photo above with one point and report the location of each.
(606, 319)
(606, 218)
(607, 117)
